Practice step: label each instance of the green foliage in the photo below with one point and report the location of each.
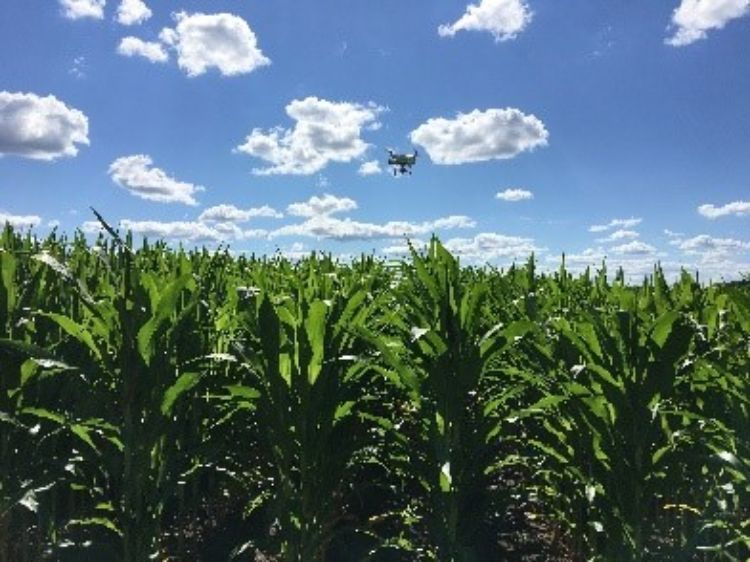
(191, 405)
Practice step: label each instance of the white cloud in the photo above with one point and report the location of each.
(692, 19)
(494, 134)
(737, 208)
(505, 19)
(514, 195)
(19, 221)
(614, 223)
(717, 258)
(53, 223)
(92, 227)
(183, 231)
(588, 258)
(704, 243)
(232, 214)
(133, 12)
(41, 128)
(138, 175)
(619, 235)
(324, 132)
(296, 251)
(177, 230)
(133, 46)
(634, 248)
(490, 246)
(321, 223)
(325, 226)
(403, 249)
(77, 9)
(673, 234)
(370, 168)
(222, 41)
(319, 206)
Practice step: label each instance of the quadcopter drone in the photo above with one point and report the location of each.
(402, 163)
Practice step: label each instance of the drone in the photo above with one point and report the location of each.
(401, 163)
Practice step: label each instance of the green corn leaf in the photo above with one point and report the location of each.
(315, 328)
(184, 383)
(96, 522)
(663, 327)
(244, 392)
(84, 433)
(44, 414)
(344, 409)
(76, 330)
(166, 307)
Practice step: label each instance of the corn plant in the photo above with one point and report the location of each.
(621, 420)
(443, 355)
(303, 353)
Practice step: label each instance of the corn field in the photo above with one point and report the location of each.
(166, 404)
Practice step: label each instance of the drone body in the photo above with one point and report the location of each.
(402, 163)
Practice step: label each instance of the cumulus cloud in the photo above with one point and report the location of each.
(78, 9)
(634, 248)
(578, 261)
(231, 214)
(133, 12)
(494, 134)
(737, 208)
(321, 223)
(19, 221)
(176, 230)
(135, 47)
(404, 248)
(505, 19)
(491, 246)
(183, 231)
(138, 175)
(704, 243)
(319, 206)
(324, 132)
(296, 251)
(222, 41)
(329, 227)
(41, 128)
(716, 258)
(513, 195)
(369, 168)
(619, 235)
(692, 19)
(615, 223)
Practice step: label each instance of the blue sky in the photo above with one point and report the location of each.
(617, 129)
